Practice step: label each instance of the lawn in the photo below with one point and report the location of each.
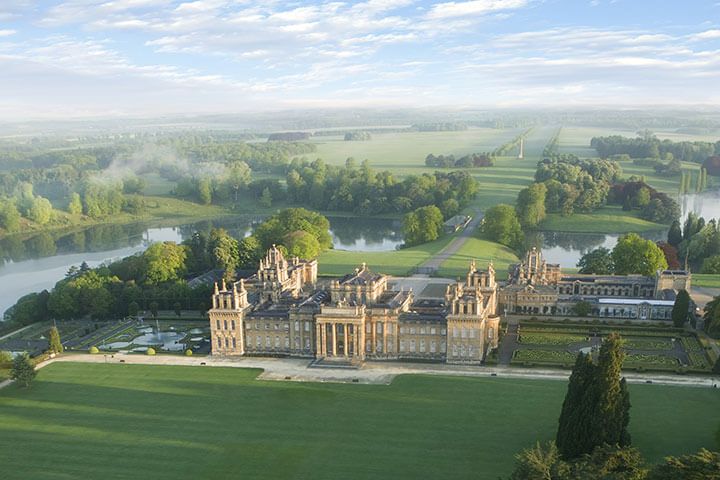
(395, 262)
(609, 219)
(116, 421)
(706, 280)
(483, 251)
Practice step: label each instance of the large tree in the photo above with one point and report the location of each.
(23, 370)
(675, 235)
(423, 225)
(680, 308)
(501, 225)
(274, 229)
(634, 254)
(224, 252)
(164, 262)
(598, 261)
(596, 410)
(531, 204)
(703, 465)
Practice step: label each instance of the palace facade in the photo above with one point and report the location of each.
(539, 288)
(283, 310)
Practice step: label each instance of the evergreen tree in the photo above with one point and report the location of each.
(573, 430)
(609, 413)
(54, 339)
(23, 371)
(680, 308)
(625, 439)
(675, 234)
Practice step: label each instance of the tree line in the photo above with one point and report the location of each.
(648, 145)
(472, 160)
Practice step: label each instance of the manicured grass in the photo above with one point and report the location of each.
(553, 357)
(706, 280)
(609, 219)
(482, 251)
(396, 262)
(111, 421)
(545, 338)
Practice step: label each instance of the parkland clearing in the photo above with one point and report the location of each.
(452, 247)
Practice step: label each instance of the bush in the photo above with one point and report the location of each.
(6, 358)
(150, 351)
(188, 353)
(93, 350)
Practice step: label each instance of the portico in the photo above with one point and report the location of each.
(340, 332)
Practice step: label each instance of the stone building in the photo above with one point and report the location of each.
(283, 311)
(538, 288)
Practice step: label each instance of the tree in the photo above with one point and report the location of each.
(40, 211)
(154, 309)
(675, 234)
(633, 254)
(609, 462)
(423, 225)
(274, 229)
(133, 309)
(23, 371)
(541, 462)
(582, 308)
(703, 465)
(75, 205)
(608, 425)
(573, 435)
(9, 216)
(531, 204)
(224, 252)
(302, 245)
(501, 225)
(596, 410)
(249, 252)
(204, 189)
(164, 262)
(711, 265)
(265, 198)
(238, 176)
(56, 345)
(680, 308)
(598, 261)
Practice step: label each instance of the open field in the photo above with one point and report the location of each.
(395, 262)
(706, 280)
(104, 421)
(609, 219)
(483, 252)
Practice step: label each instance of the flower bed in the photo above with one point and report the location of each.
(544, 356)
(543, 338)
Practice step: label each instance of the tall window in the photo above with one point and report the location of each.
(227, 343)
(233, 324)
(217, 324)
(433, 346)
(307, 326)
(219, 342)
(234, 343)
(422, 346)
(379, 327)
(297, 326)
(225, 324)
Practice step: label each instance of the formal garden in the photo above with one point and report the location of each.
(544, 343)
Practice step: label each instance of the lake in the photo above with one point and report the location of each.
(34, 263)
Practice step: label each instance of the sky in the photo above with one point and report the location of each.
(81, 58)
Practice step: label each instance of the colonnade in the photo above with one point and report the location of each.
(351, 334)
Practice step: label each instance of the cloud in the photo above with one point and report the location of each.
(706, 35)
(7, 32)
(474, 7)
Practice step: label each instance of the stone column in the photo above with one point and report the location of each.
(318, 340)
(334, 339)
(385, 328)
(372, 348)
(346, 340)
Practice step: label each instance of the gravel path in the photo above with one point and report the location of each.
(291, 369)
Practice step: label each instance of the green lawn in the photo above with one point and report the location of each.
(483, 251)
(609, 219)
(706, 280)
(161, 422)
(395, 262)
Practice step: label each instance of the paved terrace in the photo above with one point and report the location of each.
(299, 370)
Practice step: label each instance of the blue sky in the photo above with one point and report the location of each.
(66, 58)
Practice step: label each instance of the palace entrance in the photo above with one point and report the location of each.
(340, 340)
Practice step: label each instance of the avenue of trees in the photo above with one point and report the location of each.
(631, 255)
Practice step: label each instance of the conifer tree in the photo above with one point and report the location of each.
(608, 414)
(675, 234)
(679, 312)
(573, 430)
(55, 343)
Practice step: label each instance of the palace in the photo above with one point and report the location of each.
(283, 310)
(539, 288)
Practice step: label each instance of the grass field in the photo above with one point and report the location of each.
(609, 219)
(483, 252)
(113, 421)
(706, 280)
(395, 262)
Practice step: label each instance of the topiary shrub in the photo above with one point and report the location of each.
(94, 350)
(188, 353)
(150, 351)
